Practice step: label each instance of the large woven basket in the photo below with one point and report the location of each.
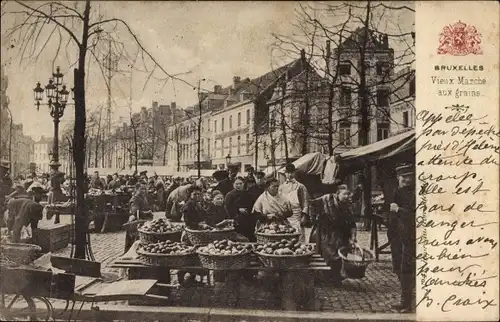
(150, 237)
(285, 261)
(20, 253)
(271, 238)
(204, 237)
(225, 262)
(355, 269)
(166, 260)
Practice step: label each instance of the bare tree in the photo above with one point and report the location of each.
(76, 27)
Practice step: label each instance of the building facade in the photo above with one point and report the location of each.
(42, 154)
(403, 102)
(22, 151)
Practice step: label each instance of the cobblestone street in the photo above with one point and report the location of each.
(373, 294)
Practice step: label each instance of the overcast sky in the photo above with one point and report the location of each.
(213, 40)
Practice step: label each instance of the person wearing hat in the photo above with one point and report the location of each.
(224, 183)
(403, 214)
(297, 194)
(23, 213)
(115, 182)
(96, 182)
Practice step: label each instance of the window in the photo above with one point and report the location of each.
(382, 97)
(405, 119)
(382, 131)
(412, 87)
(215, 126)
(215, 147)
(345, 69)
(239, 145)
(248, 143)
(222, 147)
(222, 125)
(382, 68)
(230, 145)
(230, 122)
(239, 119)
(345, 134)
(208, 146)
(248, 117)
(345, 96)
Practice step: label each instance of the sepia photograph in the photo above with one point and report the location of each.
(208, 161)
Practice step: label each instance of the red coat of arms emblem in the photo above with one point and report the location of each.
(459, 39)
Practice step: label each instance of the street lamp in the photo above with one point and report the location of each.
(57, 99)
(228, 159)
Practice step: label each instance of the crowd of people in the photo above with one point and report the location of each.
(247, 202)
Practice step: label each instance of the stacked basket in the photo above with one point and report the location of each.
(205, 237)
(239, 258)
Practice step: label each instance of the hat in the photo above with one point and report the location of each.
(405, 169)
(259, 174)
(290, 168)
(220, 175)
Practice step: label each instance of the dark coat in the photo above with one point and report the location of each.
(224, 186)
(404, 220)
(245, 222)
(216, 214)
(194, 214)
(24, 212)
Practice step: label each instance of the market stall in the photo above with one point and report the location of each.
(384, 156)
(108, 208)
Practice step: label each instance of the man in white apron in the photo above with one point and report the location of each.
(297, 195)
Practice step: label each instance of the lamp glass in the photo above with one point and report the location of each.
(228, 159)
(64, 94)
(58, 76)
(50, 89)
(38, 92)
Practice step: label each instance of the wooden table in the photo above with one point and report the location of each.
(296, 285)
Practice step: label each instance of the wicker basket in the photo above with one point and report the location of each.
(225, 262)
(271, 238)
(204, 237)
(356, 269)
(20, 253)
(166, 260)
(150, 237)
(285, 261)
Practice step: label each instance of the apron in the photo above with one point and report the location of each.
(293, 198)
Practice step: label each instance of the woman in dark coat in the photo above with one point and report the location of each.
(238, 204)
(139, 210)
(335, 228)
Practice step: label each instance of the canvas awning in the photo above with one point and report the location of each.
(203, 172)
(398, 148)
(310, 164)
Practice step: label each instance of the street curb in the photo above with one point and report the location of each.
(177, 314)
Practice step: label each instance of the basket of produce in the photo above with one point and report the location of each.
(20, 253)
(167, 254)
(225, 254)
(284, 254)
(275, 232)
(355, 261)
(208, 234)
(159, 230)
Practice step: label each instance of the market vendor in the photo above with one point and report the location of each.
(36, 190)
(23, 213)
(97, 182)
(239, 205)
(195, 218)
(403, 249)
(115, 182)
(297, 194)
(139, 209)
(271, 205)
(224, 184)
(335, 228)
(179, 196)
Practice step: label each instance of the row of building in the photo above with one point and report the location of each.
(276, 117)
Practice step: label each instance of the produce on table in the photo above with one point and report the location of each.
(275, 229)
(228, 225)
(160, 225)
(284, 247)
(168, 248)
(225, 247)
(95, 192)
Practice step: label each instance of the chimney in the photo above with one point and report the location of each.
(303, 54)
(173, 106)
(217, 89)
(236, 80)
(155, 105)
(386, 41)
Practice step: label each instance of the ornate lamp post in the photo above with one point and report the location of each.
(57, 96)
(228, 160)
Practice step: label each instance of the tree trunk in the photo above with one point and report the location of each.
(79, 140)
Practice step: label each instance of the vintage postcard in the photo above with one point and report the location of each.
(249, 161)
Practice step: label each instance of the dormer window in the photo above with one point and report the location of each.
(344, 69)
